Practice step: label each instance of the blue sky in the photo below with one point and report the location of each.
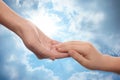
(96, 21)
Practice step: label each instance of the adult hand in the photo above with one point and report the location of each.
(32, 37)
(39, 43)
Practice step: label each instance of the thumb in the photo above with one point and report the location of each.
(78, 57)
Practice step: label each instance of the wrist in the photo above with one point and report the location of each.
(10, 19)
(21, 27)
(115, 64)
(110, 64)
(15, 24)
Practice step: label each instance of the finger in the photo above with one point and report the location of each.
(53, 54)
(64, 47)
(68, 47)
(62, 55)
(79, 48)
(40, 56)
(71, 43)
(41, 51)
(77, 56)
(52, 58)
(50, 53)
(54, 42)
(59, 55)
(44, 54)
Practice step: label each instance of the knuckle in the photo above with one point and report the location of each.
(88, 45)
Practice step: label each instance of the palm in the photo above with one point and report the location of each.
(40, 44)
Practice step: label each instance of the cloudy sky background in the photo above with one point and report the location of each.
(96, 21)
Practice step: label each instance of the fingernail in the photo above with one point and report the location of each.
(52, 58)
(59, 48)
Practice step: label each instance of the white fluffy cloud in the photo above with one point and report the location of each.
(65, 17)
(90, 76)
(65, 20)
(45, 22)
(19, 68)
(22, 72)
(15, 62)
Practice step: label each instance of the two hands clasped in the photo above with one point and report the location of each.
(44, 47)
(83, 52)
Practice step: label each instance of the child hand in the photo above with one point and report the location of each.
(87, 55)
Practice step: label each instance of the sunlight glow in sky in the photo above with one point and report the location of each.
(45, 22)
(96, 21)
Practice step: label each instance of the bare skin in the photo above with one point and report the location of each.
(87, 55)
(32, 37)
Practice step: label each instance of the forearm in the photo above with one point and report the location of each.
(10, 19)
(111, 64)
